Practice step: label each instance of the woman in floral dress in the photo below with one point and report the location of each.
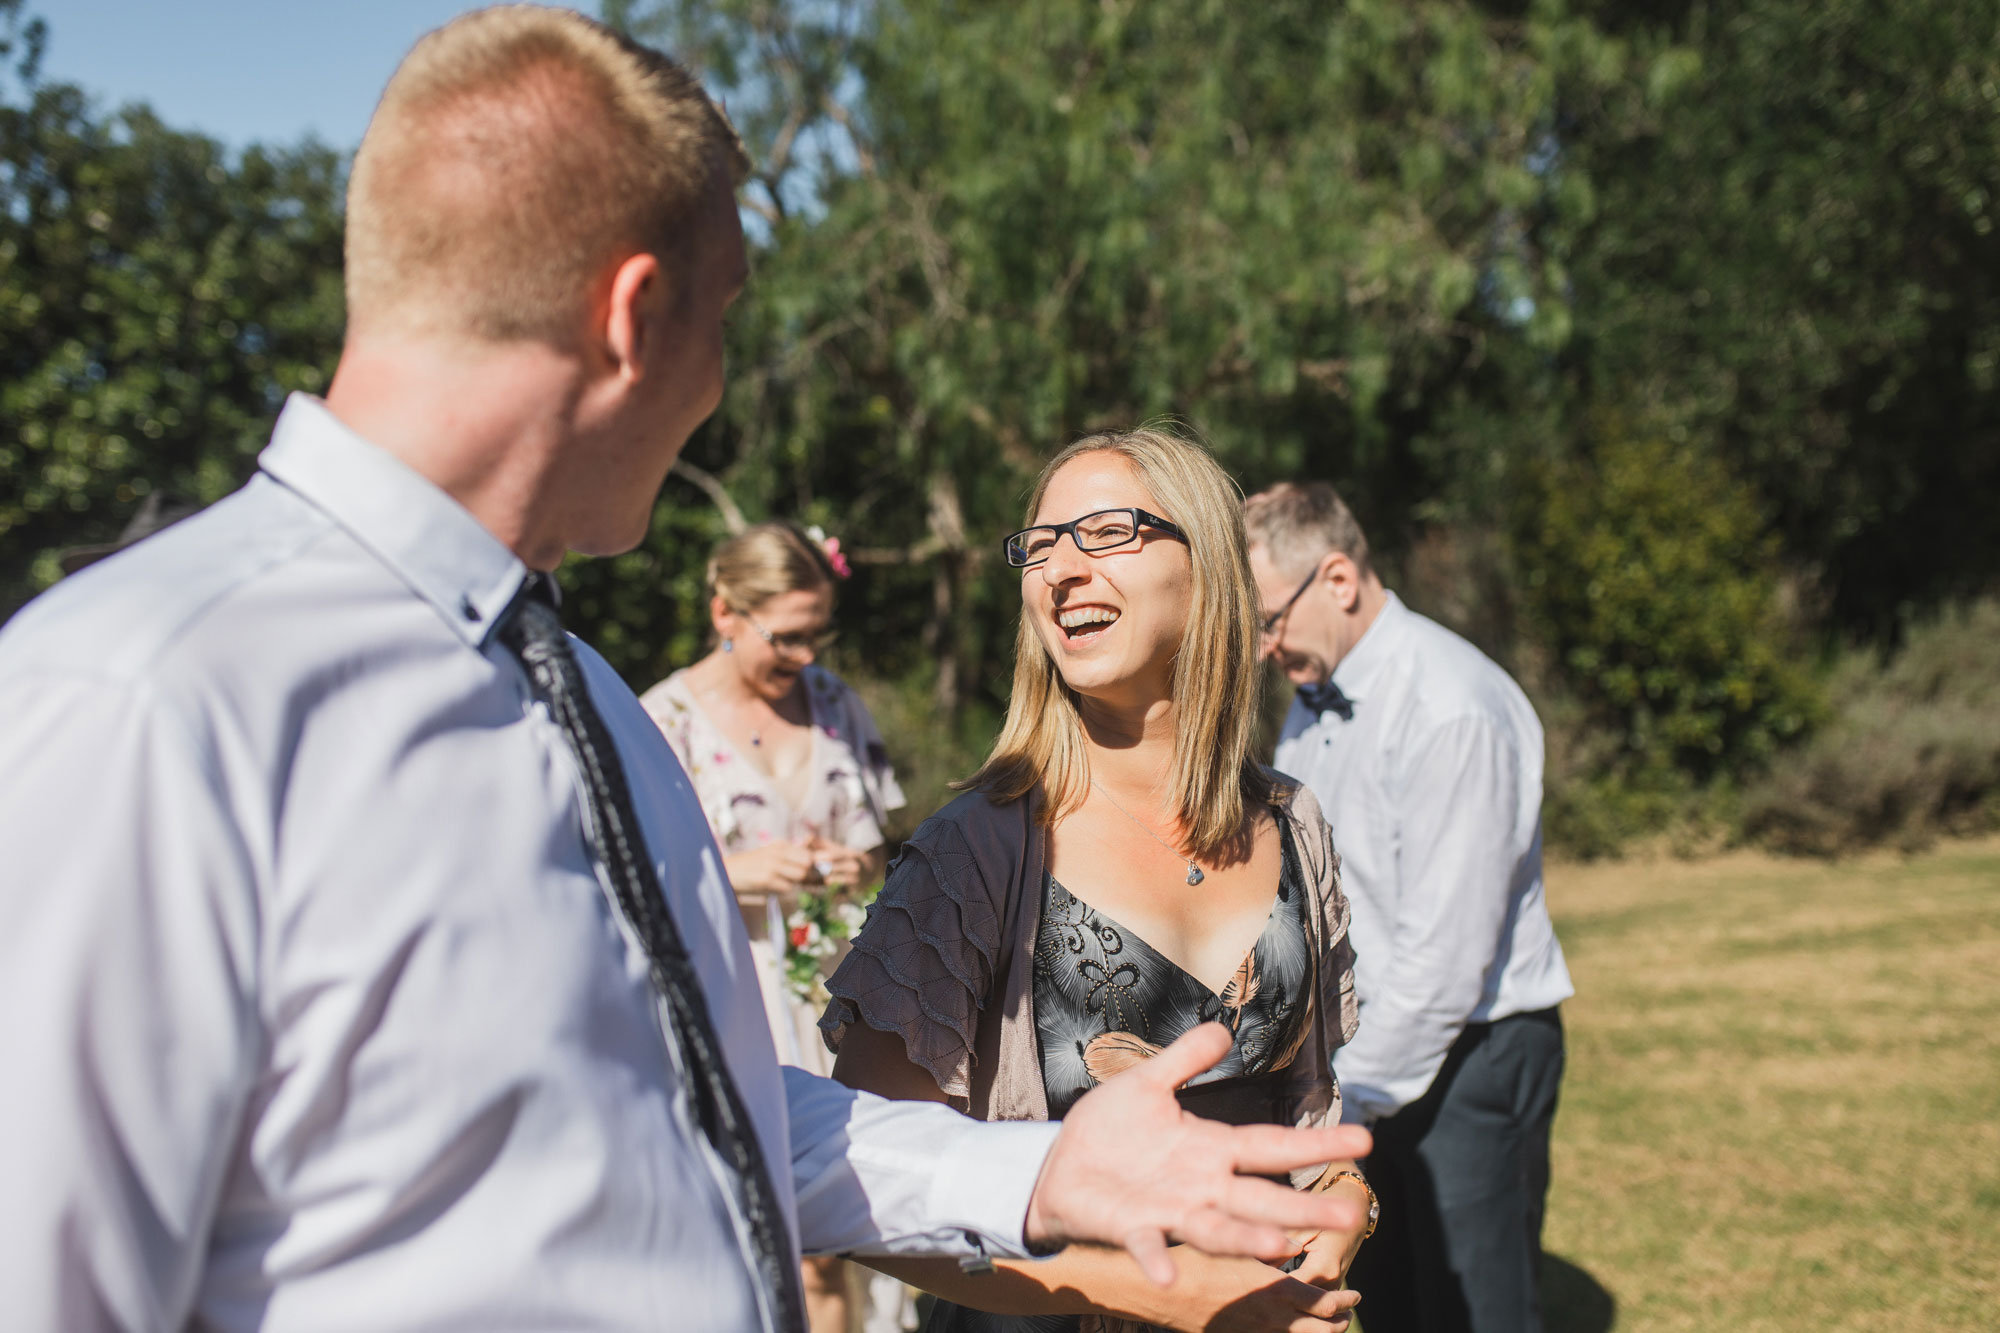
(792, 775)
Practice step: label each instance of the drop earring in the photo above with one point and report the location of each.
(729, 645)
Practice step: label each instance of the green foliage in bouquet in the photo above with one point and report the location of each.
(816, 934)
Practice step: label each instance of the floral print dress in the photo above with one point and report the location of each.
(848, 800)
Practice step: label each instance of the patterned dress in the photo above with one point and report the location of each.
(1106, 1000)
(848, 800)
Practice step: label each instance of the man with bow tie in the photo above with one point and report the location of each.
(1427, 759)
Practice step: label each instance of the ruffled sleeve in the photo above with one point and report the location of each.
(925, 962)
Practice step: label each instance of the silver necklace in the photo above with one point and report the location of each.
(1194, 871)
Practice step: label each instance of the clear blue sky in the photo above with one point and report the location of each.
(243, 71)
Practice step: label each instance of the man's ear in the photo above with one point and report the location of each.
(638, 289)
(1345, 580)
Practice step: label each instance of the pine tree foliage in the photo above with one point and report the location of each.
(1656, 343)
(158, 298)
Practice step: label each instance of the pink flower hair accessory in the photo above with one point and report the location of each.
(831, 545)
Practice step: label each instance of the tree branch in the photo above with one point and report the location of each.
(781, 150)
(915, 554)
(708, 484)
(762, 208)
(1012, 447)
(862, 154)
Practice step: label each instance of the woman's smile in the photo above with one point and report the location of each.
(1085, 624)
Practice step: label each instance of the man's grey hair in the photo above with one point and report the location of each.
(1298, 523)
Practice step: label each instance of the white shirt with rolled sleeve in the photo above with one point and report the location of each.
(1433, 789)
(314, 1013)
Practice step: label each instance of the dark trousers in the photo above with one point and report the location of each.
(1462, 1174)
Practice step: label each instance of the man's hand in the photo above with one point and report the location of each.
(1131, 1168)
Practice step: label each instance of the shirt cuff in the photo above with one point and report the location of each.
(1364, 1103)
(986, 1177)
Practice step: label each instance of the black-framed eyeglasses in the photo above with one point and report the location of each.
(1271, 621)
(1105, 530)
(793, 645)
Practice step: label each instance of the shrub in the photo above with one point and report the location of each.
(1596, 804)
(1912, 750)
(1647, 575)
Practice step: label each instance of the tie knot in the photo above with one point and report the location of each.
(541, 586)
(531, 628)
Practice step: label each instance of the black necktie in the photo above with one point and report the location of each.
(1326, 697)
(533, 632)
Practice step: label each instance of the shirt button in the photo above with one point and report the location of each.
(466, 608)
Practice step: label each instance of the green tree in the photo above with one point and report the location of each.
(1789, 247)
(1424, 250)
(158, 298)
(1649, 574)
(1609, 319)
(986, 229)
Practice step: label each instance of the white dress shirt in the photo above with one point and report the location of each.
(1434, 791)
(314, 1013)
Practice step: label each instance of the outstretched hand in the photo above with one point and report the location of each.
(1131, 1168)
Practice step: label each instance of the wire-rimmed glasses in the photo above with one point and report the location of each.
(1270, 622)
(1104, 530)
(793, 645)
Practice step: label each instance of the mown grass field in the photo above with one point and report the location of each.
(1783, 1103)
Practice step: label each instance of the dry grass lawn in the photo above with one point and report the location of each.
(1783, 1103)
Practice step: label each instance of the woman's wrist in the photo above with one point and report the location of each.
(744, 879)
(1357, 1184)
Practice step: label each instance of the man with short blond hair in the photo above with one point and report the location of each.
(365, 958)
(506, 158)
(1427, 759)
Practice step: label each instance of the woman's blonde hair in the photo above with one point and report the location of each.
(767, 560)
(1216, 680)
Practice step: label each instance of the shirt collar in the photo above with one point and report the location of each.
(1358, 671)
(424, 536)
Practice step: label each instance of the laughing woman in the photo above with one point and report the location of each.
(1120, 870)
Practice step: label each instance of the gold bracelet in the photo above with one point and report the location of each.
(1374, 1204)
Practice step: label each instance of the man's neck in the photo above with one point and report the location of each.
(481, 421)
(1369, 600)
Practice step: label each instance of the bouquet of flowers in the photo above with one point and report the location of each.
(816, 935)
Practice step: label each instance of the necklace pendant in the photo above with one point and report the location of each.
(1194, 873)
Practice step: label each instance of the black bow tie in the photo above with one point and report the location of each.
(1326, 698)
